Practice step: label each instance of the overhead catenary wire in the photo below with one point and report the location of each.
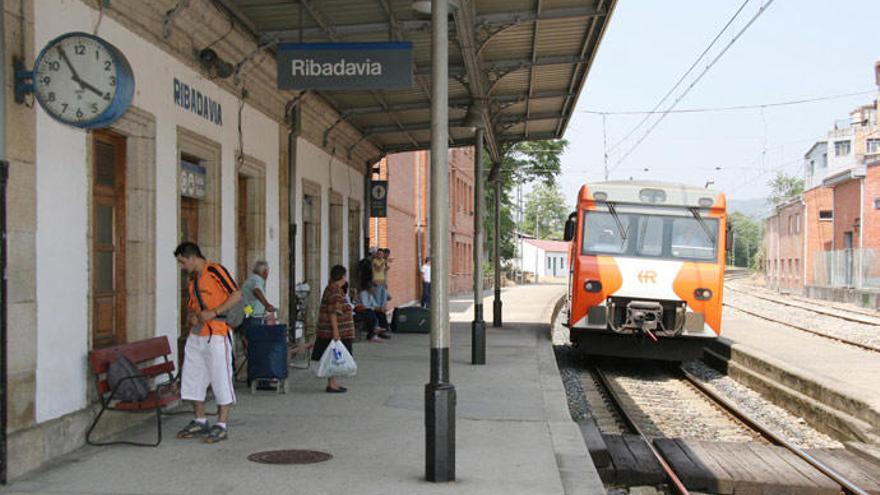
(687, 90)
(731, 108)
(683, 76)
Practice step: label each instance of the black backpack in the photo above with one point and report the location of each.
(133, 385)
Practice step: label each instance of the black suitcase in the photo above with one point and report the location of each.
(411, 319)
(267, 355)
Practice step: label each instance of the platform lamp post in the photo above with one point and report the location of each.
(439, 392)
(475, 120)
(497, 305)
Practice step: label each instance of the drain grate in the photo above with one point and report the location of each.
(290, 457)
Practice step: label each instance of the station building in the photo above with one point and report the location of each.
(94, 216)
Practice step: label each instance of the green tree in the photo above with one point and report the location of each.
(747, 236)
(545, 211)
(784, 187)
(521, 163)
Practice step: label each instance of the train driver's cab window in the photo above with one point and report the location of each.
(650, 236)
(690, 239)
(602, 233)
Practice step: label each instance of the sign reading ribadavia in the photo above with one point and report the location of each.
(344, 66)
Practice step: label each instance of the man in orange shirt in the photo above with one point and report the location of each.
(208, 352)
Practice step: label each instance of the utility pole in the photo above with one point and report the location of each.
(605, 144)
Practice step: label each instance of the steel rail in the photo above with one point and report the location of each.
(734, 410)
(842, 340)
(806, 307)
(631, 424)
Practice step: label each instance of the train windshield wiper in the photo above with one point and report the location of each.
(616, 217)
(696, 213)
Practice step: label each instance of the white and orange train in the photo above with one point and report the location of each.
(647, 269)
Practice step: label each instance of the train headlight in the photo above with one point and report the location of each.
(593, 286)
(703, 294)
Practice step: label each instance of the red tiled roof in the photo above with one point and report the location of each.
(552, 246)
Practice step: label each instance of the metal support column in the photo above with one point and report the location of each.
(4, 176)
(439, 392)
(478, 326)
(496, 306)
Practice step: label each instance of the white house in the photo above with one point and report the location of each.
(546, 259)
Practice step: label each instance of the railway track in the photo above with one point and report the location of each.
(666, 458)
(836, 313)
(827, 334)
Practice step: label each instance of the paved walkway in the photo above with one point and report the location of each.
(514, 433)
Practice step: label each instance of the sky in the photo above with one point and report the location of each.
(797, 49)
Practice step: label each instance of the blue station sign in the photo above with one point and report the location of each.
(345, 66)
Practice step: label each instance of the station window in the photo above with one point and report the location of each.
(829, 214)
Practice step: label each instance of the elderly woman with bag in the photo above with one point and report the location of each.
(335, 321)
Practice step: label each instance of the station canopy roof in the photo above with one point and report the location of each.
(520, 63)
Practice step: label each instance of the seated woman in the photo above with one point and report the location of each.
(372, 301)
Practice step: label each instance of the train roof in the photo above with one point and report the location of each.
(643, 192)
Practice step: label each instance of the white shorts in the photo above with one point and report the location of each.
(207, 364)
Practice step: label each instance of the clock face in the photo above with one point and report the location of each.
(80, 79)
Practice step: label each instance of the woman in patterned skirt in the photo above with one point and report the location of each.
(335, 321)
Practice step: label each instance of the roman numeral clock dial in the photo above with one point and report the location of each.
(83, 81)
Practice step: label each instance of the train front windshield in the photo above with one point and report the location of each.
(676, 237)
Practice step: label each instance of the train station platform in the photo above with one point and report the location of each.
(514, 432)
(832, 382)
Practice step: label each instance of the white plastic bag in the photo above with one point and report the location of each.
(336, 361)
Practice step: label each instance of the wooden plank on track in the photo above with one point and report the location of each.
(650, 471)
(824, 483)
(792, 481)
(720, 481)
(625, 466)
(745, 482)
(863, 473)
(694, 476)
(595, 444)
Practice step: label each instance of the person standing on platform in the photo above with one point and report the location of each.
(380, 272)
(335, 321)
(253, 291)
(426, 284)
(208, 353)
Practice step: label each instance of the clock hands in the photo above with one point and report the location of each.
(75, 76)
(66, 60)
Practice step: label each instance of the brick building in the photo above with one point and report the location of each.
(784, 246)
(405, 231)
(840, 210)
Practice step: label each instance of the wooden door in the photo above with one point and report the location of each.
(108, 239)
(312, 260)
(241, 236)
(189, 231)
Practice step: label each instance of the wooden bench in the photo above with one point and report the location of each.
(144, 353)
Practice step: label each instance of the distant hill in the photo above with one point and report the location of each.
(757, 208)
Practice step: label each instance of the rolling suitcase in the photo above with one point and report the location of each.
(411, 319)
(267, 355)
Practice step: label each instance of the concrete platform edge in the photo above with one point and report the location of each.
(576, 468)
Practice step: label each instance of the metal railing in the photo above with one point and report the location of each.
(857, 268)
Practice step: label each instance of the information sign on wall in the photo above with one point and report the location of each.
(193, 180)
(379, 198)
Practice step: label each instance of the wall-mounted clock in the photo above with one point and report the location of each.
(83, 81)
